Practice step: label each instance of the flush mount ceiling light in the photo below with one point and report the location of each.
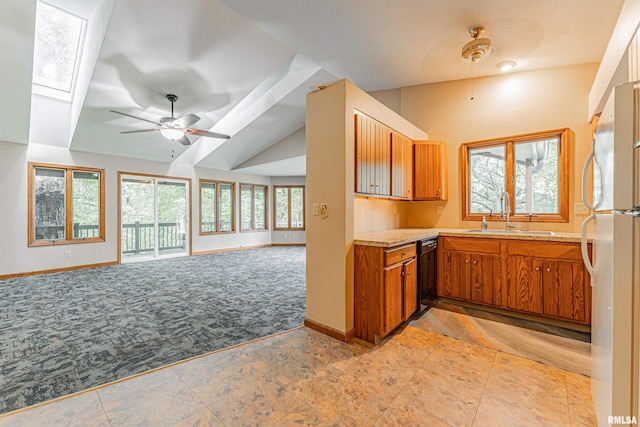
(506, 66)
(477, 48)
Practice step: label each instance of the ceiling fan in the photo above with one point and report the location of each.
(175, 129)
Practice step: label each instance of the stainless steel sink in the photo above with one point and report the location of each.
(537, 233)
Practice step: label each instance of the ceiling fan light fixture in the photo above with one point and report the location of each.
(171, 133)
(506, 66)
(477, 48)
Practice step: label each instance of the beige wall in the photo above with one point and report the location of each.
(502, 105)
(330, 179)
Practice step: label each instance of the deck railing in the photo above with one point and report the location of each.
(137, 238)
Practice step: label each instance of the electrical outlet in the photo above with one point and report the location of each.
(580, 209)
(315, 209)
(67, 254)
(439, 209)
(395, 209)
(366, 209)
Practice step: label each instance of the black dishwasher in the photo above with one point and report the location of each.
(427, 271)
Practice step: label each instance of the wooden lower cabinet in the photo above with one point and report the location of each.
(548, 278)
(385, 289)
(536, 277)
(470, 270)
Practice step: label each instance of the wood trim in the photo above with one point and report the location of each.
(57, 270)
(566, 136)
(217, 207)
(68, 175)
(327, 330)
(304, 214)
(155, 177)
(253, 207)
(288, 244)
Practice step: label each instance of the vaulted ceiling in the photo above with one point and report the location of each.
(245, 66)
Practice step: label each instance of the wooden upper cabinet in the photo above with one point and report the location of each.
(373, 156)
(401, 166)
(430, 170)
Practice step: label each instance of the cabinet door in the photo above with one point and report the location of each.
(393, 298)
(565, 290)
(485, 279)
(524, 284)
(455, 275)
(429, 170)
(410, 288)
(401, 166)
(373, 156)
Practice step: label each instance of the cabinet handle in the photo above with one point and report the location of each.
(466, 261)
(548, 269)
(402, 255)
(537, 268)
(475, 262)
(438, 192)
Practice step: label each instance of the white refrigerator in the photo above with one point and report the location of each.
(615, 271)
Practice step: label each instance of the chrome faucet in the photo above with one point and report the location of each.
(505, 210)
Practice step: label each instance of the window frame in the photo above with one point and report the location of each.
(56, 92)
(566, 137)
(68, 170)
(253, 207)
(304, 219)
(218, 207)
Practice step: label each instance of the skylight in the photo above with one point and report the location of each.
(58, 38)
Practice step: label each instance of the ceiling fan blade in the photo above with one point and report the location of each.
(184, 140)
(141, 130)
(187, 120)
(134, 117)
(199, 132)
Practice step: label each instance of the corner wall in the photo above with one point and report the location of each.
(330, 179)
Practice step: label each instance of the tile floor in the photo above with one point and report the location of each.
(301, 377)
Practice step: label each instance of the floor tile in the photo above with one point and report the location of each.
(442, 397)
(258, 402)
(464, 363)
(157, 398)
(495, 412)
(581, 410)
(524, 383)
(78, 411)
(305, 415)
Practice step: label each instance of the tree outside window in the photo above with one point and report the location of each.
(66, 204)
(253, 207)
(531, 168)
(216, 207)
(289, 207)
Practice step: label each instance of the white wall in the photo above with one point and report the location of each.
(287, 237)
(18, 257)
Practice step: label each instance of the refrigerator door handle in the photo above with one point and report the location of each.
(585, 181)
(585, 247)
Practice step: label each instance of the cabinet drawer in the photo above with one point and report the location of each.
(489, 246)
(556, 250)
(399, 254)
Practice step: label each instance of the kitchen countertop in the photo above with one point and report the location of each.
(395, 237)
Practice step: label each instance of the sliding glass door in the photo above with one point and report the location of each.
(154, 217)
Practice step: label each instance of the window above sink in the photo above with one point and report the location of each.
(533, 169)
